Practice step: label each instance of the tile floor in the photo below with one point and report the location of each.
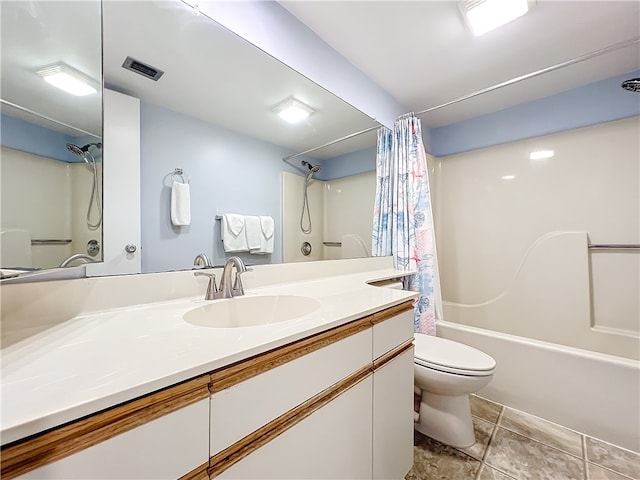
(511, 445)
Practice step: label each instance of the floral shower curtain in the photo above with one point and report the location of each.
(403, 221)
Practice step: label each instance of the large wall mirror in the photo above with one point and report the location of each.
(212, 115)
(51, 137)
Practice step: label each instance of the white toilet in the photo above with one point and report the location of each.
(447, 372)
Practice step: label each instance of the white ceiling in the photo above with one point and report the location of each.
(38, 34)
(214, 75)
(422, 54)
(419, 52)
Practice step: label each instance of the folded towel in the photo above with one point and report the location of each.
(180, 204)
(266, 235)
(232, 232)
(253, 231)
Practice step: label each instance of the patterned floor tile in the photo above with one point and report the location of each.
(433, 460)
(485, 409)
(599, 473)
(526, 459)
(488, 473)
(614, 458)
(542, 431)
(483, 431)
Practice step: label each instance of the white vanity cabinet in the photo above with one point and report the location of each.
(393, 397)
(342, 411)
(333, 442)
(166, 448)
(393, 418)
(335, 404)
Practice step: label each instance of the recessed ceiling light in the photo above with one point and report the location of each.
(508, 177)
(485, 15)
(541, 154)
(293, 111)
(68, 79)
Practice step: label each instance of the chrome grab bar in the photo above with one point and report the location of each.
(614, 246)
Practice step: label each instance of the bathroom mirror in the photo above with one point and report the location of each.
(51, 194)
(212, 115)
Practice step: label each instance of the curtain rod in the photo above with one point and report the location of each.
(37, 114)
(557, 66)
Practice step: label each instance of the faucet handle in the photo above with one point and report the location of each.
(238, 288)
(212, 288)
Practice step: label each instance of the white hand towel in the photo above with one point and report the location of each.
(254, 232)
(234, 238)
(266, 237)
(180, 204)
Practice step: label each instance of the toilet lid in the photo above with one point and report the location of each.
(453, 357)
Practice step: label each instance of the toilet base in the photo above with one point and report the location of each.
(446, 419)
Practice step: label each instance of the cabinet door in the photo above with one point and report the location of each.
(333, 442)
(392, 332)
(393, 418)
(240, 410)
(166, 448)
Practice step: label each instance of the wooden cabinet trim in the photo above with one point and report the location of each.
(389, 356)
(245, 369)
(34, 452)
(43, 448)
(391, 312)
(199, 473)
(236, 452)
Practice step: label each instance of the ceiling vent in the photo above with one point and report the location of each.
(142, 68)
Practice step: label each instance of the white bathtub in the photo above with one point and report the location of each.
(593, 393)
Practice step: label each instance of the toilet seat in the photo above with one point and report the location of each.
(451, 357)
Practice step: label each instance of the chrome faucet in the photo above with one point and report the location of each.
(228, 288)
(234, 289)
(202, 261)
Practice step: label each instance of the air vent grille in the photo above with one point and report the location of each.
(142, 68)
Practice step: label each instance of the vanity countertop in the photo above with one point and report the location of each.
(97, 360)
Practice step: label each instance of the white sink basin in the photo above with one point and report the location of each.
(251, 311)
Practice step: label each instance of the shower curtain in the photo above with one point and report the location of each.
(403, 221)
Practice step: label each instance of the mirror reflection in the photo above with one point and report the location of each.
(51, 195)
(212, 116)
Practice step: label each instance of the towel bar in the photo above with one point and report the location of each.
(50, 241)
(614, 246)
(332, 244)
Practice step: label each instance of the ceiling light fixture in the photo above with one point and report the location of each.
(293, 111)
(485, 15)
(541, 154)
(68, 79)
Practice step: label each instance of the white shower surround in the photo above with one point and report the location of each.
(520, 283)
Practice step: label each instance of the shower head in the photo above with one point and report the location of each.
(82, 151)
(79, 151)
(312, 168)
(633, 85)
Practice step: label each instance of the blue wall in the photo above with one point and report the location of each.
(352, 163)
(598, 102)
(228, 172)
(27, 137)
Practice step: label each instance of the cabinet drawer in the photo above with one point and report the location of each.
(334, 442)
(390, 333)
(168, 447)
(243, 408)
